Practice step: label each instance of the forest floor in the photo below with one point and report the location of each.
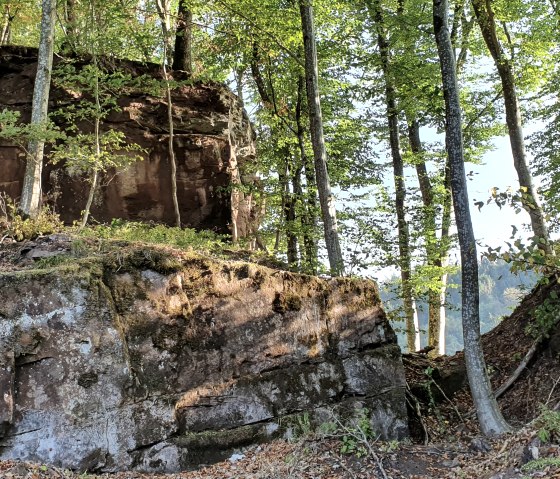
(445, 439)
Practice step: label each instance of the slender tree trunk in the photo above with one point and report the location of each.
(486, 21)
(289, 214)
(31, 192)
(326, 198)
(309, 218)
(97, 133)
(91, 195)
(405, 262)
(7, 25)
(489, 416)
(182, 55)
(164, 11)
(171, 147)
(430, 227)
(163, 8)
(444, 246)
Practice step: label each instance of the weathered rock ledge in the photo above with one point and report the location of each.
(213, 141)
(144, 361)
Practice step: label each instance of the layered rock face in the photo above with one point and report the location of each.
(213, 140)
(143, 362)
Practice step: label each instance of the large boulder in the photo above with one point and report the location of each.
(213, 142)
(156, 362)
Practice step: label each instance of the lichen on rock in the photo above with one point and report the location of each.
(106, 368)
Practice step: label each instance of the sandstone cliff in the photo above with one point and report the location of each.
(153, 360)
(213, 140)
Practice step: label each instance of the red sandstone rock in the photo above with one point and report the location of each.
(213, 141)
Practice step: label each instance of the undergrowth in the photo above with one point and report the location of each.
(184, 238)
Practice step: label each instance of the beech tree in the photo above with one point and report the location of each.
(326, 197)
(490, 418)
(31, 192)
(392, 112)
(487, 22)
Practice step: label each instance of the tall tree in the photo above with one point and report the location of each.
(392, 112)
(489, 415)
(31, 192)
(326, 198)
(486, 20)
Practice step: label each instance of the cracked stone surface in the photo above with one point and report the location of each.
(112, 366)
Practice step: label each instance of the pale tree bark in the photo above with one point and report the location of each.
(97, 133)
(435, 255)
(163, 8)
(486, 21)
(171, 147)
(405, 261)
(489, 415)
(9, 16)
(182, 55)
(326, 198)
(31, 192)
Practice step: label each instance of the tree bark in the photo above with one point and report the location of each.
(7, 25)
(31, 192)
(163, 8)
(326, 198)
(405, 262)
(171, 146)
(432, 248)
(486, 21)
(489, 416)
(182, 55)
(309, 218)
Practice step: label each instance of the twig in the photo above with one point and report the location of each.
(449, 401)
(416, 407)
(552, 391)
(522, 365)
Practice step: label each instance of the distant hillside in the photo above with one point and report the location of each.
(500, 292)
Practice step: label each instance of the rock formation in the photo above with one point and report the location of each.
(147, 360)
(213, 141)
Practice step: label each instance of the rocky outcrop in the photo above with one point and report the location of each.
(213, 142)
(158, 362)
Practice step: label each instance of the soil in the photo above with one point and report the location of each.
(446, 441)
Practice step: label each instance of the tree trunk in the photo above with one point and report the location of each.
(485, 18)
(172, 160)
(97, 133)
(163, 8)
(31, 192)
(430, 227)
(405, 262)
(7, 25)
(326, 198)
(182, 55)
(289, 212)
(171, 147)
(489, 416)
(91, 195)
(71, 24)
(309, 219)
(444, 246)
